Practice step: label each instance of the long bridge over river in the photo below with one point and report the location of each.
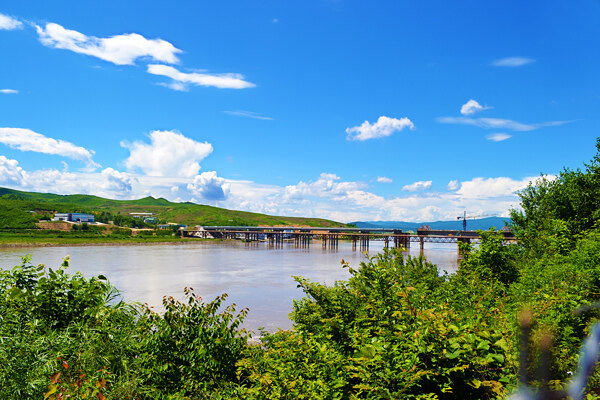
(330, 237)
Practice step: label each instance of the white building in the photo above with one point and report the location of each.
(73, 217)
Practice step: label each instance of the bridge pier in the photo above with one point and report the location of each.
(302, 239)
(364, 242)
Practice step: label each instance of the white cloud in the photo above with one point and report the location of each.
(109, 183)
(120, 49)
(471, 107)
(118, 181)
(327, 197)
(498, 123)
(327, 185)
(383, 179)
(453, 185)
(385, 126)
(27, 140)
(209, 186)
(169, 154)
(10, 172)
(417, 186)
(498, 137)
(177, 86)
(512, 62)
(247, 114)
(9, 91)
(221, 81)
(8, 23)
(493, 187)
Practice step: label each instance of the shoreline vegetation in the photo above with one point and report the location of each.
(20, 241)
(398, 328)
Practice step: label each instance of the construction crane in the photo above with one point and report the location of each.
(464, 217)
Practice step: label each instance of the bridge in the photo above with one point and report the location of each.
(330, 237)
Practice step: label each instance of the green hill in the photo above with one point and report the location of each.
(16, 210)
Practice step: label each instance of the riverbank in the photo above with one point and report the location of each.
(22, 242)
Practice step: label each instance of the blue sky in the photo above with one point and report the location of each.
(404, 110)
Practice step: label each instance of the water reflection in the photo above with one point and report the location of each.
(254, 276)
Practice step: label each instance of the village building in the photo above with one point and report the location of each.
(73, 217)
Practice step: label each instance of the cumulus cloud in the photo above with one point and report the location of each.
(247, 114)
(118, 181)
(493, 187)
(512, 62)
(169, 153)
(209, 186)
(331, 197)
(108, 183)
(498, 123)
(471, 107)
(453, 185)
(9, 23)
(11, 172)
(27, 140)
(327, 185)
(182, 79)
(417, 186)
(120, 49)
(385, 126)
(383, 179)
(326, 197)
(9, 91)
(498, 137)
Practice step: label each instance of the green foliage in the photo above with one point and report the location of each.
(66, 335)
(493, 260)
(388, 332)
(193, 348)
(559, 209)
(55, 323)
(120, 233)
(14, 216)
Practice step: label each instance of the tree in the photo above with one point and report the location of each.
(559, 208)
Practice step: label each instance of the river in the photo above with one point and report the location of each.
(254, 275)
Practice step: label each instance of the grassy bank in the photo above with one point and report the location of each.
(91, 236)
(25, 241)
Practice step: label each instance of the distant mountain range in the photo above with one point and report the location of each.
(472, 224)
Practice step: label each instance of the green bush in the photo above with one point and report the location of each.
(193, 348)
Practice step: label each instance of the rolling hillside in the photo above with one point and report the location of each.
(16, 205)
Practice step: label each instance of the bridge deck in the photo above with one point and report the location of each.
(430, 236)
